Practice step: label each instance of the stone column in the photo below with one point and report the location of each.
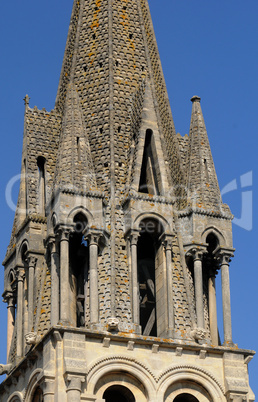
(48, 390)
(54, 264)
(213, 308)
(224, 257)
(167, 243)
(86, 288)
(93, 237)
(197, 254)
(64, 276)
(134, 278)
(20, 279)
(32, 261)
(74, 388)
(9, 299)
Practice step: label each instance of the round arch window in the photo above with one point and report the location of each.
(185, 398)
(118, 393)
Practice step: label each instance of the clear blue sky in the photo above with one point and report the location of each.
(207, 48)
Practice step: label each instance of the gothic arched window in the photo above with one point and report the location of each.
(42, 184)
(150, 266)
(79, 263)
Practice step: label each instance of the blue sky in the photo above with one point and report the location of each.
(207, 48)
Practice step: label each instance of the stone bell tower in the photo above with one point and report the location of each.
(119, 234)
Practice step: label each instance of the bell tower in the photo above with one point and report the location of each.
(119, 235)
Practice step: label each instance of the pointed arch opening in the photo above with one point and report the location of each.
(23, 207)
(25, 292)
(79, 269)
(150, 266)
(41, 184)
(150, 178)
(210, 272)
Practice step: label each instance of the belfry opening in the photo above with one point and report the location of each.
(79, 264)
(148, 259)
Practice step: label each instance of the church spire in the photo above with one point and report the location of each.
(110, 52)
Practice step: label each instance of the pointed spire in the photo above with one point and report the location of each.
(74, 169)
(203, 188)
(149, 173)
(107, 60)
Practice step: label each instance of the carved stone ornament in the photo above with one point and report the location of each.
(5, 368)
(32, 261)
(31, 338)
(199, 334)
(113, 323)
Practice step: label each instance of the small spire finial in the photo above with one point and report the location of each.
(195, 99)
(26, 100)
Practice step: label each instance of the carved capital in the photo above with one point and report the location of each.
(20, 274)
(196, 251)
(47, 382)
(224, 255)
(167, 241)
(8, 297)
(51, 244)
(64, 232)
(31, 261)
(93, 236)
(74, 382)
(232, 397)
(48, 386)
(133, 236)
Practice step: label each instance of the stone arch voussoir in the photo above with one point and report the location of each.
(15, 397)
(84, 211)
(33, 383)
(217, 233)
(191, 374)
(24, 244)
(124, 364)
(152, 215)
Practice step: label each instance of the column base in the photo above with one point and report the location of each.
(229, 344)
(168, 334)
